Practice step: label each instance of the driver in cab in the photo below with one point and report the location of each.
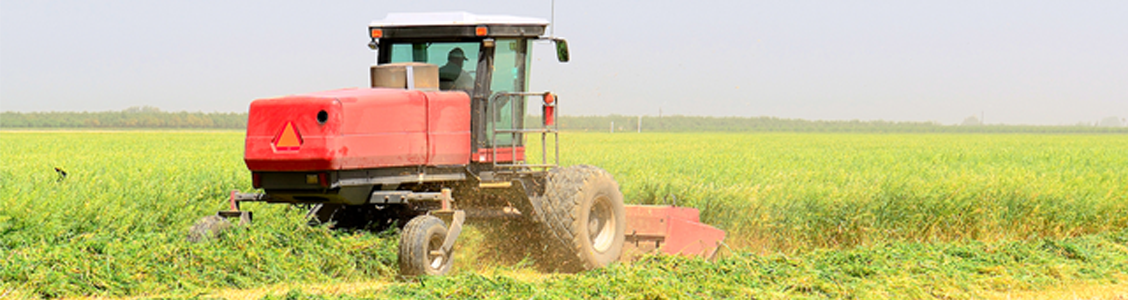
(452, 76)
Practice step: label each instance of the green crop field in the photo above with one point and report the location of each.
(809, 215)
(802, 191)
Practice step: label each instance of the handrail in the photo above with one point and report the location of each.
(518, 130)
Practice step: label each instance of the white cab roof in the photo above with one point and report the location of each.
(452, 19)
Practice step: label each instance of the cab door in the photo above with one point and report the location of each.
(508, 73)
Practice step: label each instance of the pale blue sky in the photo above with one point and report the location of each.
(1018, 62)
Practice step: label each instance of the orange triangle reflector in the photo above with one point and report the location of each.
(288, 139)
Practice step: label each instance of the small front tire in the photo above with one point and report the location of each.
(420, 245)
(207, 228)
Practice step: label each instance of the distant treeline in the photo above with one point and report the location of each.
(150, 117)
(679, 123)
(133, 117)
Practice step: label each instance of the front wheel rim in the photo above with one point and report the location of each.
(435, 261)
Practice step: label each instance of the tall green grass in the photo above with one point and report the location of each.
(786, 192)
(116, 225)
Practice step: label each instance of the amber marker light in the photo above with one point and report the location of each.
(549, 109)
(481, 31)
(377, 33)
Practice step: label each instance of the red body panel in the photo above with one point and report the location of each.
(504, 154)
(448, 133)
(365, 128)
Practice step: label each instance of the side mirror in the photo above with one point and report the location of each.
(561, 49)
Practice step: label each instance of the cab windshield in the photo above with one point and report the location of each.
(457, 61)
(458, 64)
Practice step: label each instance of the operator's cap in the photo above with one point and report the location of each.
(456, 54)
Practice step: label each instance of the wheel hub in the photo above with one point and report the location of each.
(435, 252)
(601, 224)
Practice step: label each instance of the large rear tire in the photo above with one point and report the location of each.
(422, 236)
(584, 218)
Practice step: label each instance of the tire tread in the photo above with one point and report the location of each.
(563, 193)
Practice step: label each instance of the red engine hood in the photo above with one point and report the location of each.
(358, 129)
